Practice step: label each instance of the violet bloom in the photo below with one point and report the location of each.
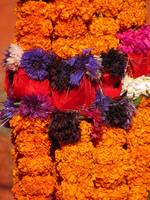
(102, 103)
(120, 113)
(35, 62)
(64, 128)
(35, 107)
(9, 110)
(81, 65)
(114, 62)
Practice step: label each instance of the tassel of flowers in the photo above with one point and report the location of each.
(74, 166)
(33, 175)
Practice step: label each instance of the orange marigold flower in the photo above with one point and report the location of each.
(113, 137)
(70, 47)
(32, 144)
(70, 28)
(133, 14)
(119, 193)
(38, 185)
(138, 192)
(86, 130)
(33, 8)
(103, 26)
(19, 123)
(31, 41)
(35, 166)
(111, 166)
(108, 8)
(34, 25)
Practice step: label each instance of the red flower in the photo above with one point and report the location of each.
(111, 85)
(23, 86)
(140, 64)
(83, 95)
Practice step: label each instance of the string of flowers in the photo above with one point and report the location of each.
(33, 26)
(35, 170)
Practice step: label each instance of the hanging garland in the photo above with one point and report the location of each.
(74, 76)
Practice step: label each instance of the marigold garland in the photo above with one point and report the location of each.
(73, 46)
(34, 169)
(132, 14)
(30, 15)
(70, 28)
(103, 26)
(117, 168)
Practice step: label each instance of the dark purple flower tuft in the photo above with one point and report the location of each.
(35, 107)
(9, 110)
(35, 62)
(114, 62)
(64, 128)
(120, 113)
(59, 74)
(83, 64)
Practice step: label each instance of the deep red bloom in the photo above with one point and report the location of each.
(23, 86)
(80, 96)
(111, 85)
(140, 64)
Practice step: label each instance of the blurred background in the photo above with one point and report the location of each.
(7, 24)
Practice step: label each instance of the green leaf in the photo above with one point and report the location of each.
(137, 101)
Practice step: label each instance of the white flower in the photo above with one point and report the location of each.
(13, 57)
(136, 87)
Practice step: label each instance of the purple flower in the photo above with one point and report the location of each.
(102, 103)
(59, 75)
(120, 113)
(81, 65)
(9, 110)
(64, 129)
(76, 77)
(35, 62)
(35, 107)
